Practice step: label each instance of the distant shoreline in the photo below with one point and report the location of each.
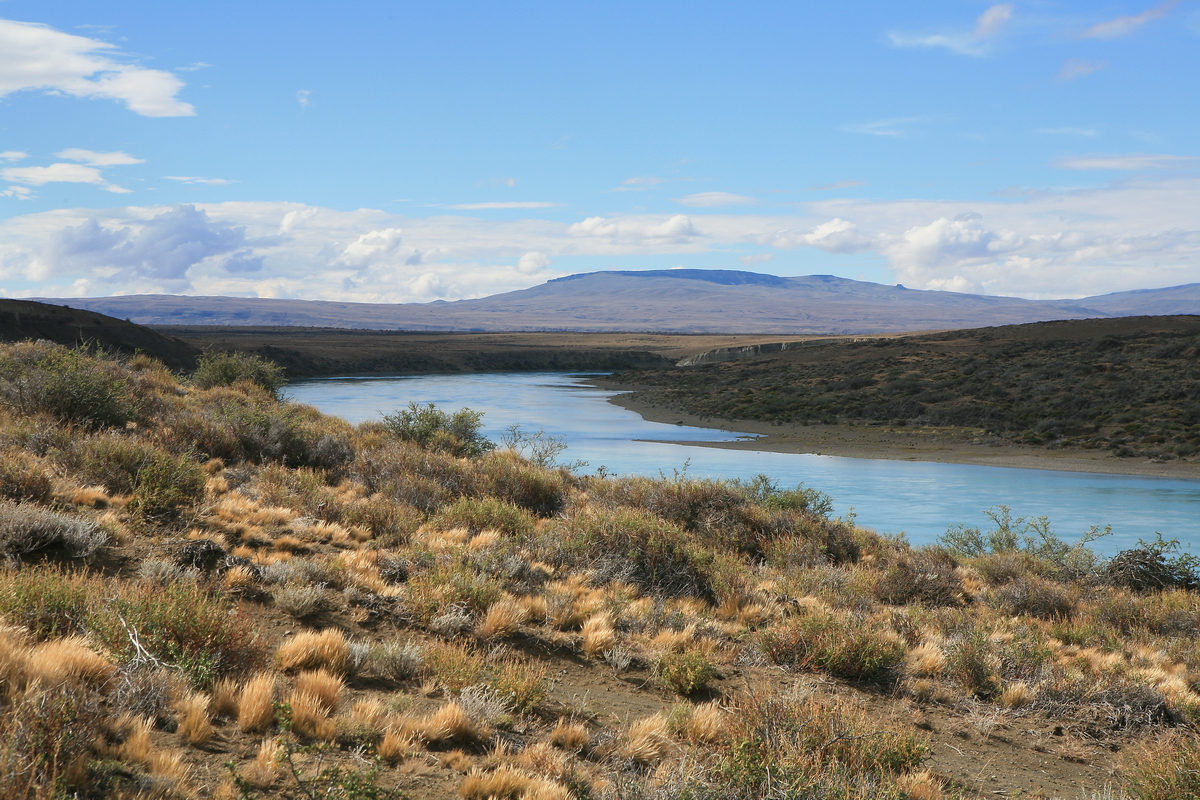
(904, 444)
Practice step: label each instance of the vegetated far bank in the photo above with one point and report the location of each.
(1129, 387)
(210, 592)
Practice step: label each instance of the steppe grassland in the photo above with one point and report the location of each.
(162, 534)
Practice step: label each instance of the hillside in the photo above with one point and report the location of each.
(26, 319)
(211, 593)
(686, 301)
(1129, 385)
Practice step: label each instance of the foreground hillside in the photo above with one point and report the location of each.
(1130, 386)
(211, 593)
(664, 301)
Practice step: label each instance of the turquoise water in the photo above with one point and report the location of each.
(920, 499)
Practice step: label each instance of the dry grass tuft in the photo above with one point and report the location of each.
(569, 736)
(451, 723)
(502, 618)
(397, 745)
(264, 769)
(323, 686)
(194, 723)
(310, 717)
(328, 649)
(598, 635)
(923, 785)
(225, 694)
(648, 741)
(706, 723)
(66, 660)
(1016, 695)
(509, 783)
(256, 703)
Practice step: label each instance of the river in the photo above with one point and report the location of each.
(919, 499)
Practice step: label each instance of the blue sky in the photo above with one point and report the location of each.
(410, 152)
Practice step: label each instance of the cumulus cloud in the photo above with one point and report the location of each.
(1123, 26)
(160, 250)
(59, 173)
(1074, 68)
(1136, 233)
(532, 262)
(13, 155)
(1126, 162)
(970, 43)
(94, 159)
(302, 98)
(36, 57)
(715, 200)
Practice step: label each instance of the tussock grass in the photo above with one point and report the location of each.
(328, 649)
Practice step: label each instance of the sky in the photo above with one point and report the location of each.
(410, 152)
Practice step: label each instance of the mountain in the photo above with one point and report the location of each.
(27, 319)
(684, 300)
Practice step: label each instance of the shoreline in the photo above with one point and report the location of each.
(905, 444)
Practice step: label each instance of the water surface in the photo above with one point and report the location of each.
(920, 499)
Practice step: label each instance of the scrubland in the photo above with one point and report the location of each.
(208, 592)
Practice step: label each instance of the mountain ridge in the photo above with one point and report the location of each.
(677, 301)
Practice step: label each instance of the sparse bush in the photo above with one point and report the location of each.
(484, 513)
(1154, 566)
(23, 478)
(926, 576)
(300, 600)
(685, 672)
(1034, 596)
(227, 369)
(1165, 769)
(165, 484)
(47, 601)
(46, 738)
(520, 681)
(25, 529)
(838, 644)
(69, 384)
(434, 429)
(396, 661)
(972, 662)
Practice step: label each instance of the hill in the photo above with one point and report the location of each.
(1130, 385)
(717, 301)
(25, 319)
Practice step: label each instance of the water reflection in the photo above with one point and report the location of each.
(920, 499)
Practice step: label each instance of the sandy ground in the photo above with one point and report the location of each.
(912, 444)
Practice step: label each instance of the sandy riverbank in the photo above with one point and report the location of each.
(911, 444)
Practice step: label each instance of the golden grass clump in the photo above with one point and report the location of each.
(195, 725)
(225, 693)
(510, 783)
(310, 717)
(263, 770)
(1016, 695)
(325, 687)
(256, 702)
(598, 634)
(923, 785)
(648, 741)
(502, 618)
(397, 744)
(705, 723)
(61, 661)
(328, 649)
(570, 736)
(450, 723)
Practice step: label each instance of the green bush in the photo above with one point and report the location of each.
(685, 672)
(205, 637)
(226, 369)
(46, 601)
(838, 644)
(69, 384)
(46, 736)
(434, 429)
(165, 484)
(484, 513)
(23, 478)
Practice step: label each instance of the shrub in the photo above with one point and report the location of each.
(226, 369)
(23, 478)
(536, 488)
(1165, 769)
(484, 513)
(46, 738)
(434, 429)
(685, 672)
(926, 576)
(25, 530)
(835, 643)
(972, 661)
(1148, 567)
(166, 483)
(69, 384)
(520, 681)
(1034, 596)
(181, 625)
(47, 601)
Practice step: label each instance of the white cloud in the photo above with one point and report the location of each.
(753, 260)
(19, 192)
(302, 98)
(1123, 26)
(59, 173)
(533, 262)
(1074, 68)
(503, 204)
(13, 155)
(94, 159)
(715, 200)
(1126, 162)
(199, 65)
(204, 181)
(35, 57)
(973, 43)
(1137, 233)
(639, 183)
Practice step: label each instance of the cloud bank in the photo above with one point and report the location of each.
(1137, 233)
